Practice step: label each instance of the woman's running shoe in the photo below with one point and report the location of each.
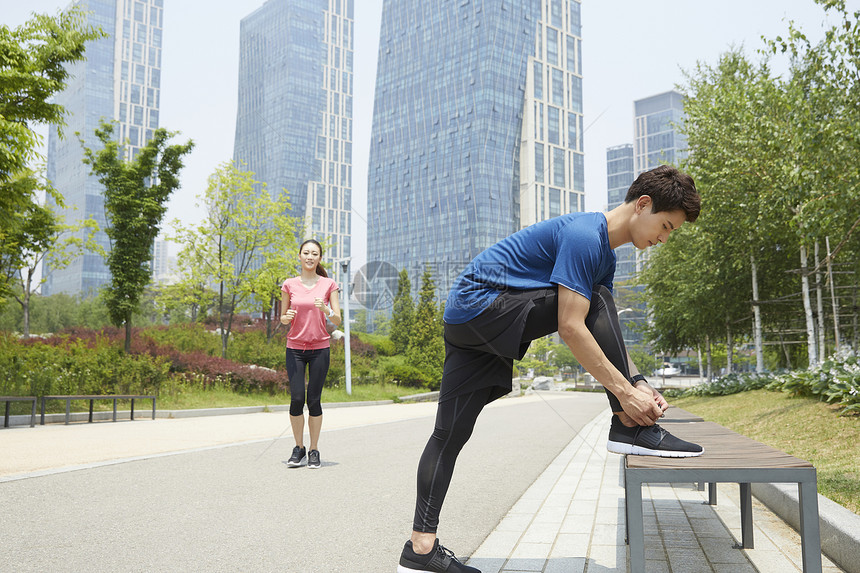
(439, 560)
(313, 459)
(297, 457)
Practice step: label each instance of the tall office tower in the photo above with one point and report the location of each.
(619, 177)
(655, 130)
(121, 81)
(657, 141)
(163, 270)
(477, 128)
(294, 122)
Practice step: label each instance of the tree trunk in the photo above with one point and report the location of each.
(785, 351)
(25, 303)
(807, 308)
(710, 356)
(128, 332)
(268, 315)
(701, 371)
(822, 348)
(759, 354)
(729, 349)
(836, 338)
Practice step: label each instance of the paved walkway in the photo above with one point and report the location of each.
(570, 519)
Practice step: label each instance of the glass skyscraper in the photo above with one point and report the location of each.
(477, 128)
(120, 80)
(619, 177)
(294, 122)
(657, 142)
(655, 123)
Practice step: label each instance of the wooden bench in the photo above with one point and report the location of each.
(93, 398)
(728, 458)
(10, 399)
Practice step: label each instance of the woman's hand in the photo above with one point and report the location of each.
(288, 316)
(318, 302)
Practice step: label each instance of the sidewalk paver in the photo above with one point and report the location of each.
(572, 520)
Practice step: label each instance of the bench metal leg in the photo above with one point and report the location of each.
(712, 493)
(635, 526)
(6, 419)
(43, 411)
(114, 409)
(132, 408)
(68, 410)
(90, 419)
(33, 414)
(810, 534)
(747, 541)
(153, 407)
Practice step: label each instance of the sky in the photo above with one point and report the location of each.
(632, 49)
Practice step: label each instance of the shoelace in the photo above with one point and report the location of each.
(448, 553)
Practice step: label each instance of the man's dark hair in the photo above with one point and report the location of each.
(669, 190)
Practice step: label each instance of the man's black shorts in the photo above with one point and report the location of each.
(480, 353)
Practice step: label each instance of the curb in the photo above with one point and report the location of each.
(840, 527)
(19, 420)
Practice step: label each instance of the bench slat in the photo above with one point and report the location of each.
(723, 449)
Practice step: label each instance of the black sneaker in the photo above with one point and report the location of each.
(297, 457)
(648, 441)
(313, 459)
(439, 560)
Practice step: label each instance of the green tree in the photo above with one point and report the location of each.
(403, 314)
(426, 350)
(228, 247)
(135, 199)
(37, 237)
(563, 359)
(33, 60)
(276, 266)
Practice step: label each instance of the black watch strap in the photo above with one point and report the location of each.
(637, 378)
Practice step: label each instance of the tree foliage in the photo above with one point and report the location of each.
(776, 160)
(135, 197)
(244, 230)
(403, 313)
(426, 350)
(33, 60)
(41, 236)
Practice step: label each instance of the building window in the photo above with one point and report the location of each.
(552, 122)
(539, 163)
(558, 166)
(552, 46)
(557, 87)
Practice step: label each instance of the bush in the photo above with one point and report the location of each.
(382, 344)
(66, 365)
(836, 381)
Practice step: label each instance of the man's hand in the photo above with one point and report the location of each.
(658, 397)
(641, 406)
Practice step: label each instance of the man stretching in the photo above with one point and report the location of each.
(555, 275)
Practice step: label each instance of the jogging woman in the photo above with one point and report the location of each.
(307, 301)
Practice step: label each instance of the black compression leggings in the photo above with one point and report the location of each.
(456, 416)
(317, 362)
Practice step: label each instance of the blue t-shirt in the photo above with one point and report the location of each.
(572, 251)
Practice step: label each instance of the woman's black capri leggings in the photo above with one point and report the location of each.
(456, 416)
(316, 361)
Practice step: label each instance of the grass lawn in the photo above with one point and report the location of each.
(225, 398)
(803, 427)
